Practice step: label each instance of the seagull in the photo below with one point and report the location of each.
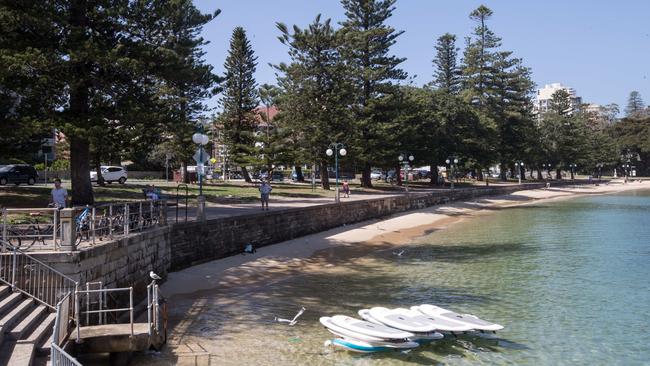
(293, 321)
(399, 254)
(154, 276)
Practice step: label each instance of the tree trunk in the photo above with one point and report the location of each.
(398, 174)
(82, 189)
(365, 176)
(98, 167)
(299, 176)
(522, 171)
(539, 174)
(479, 174)
(324, 176)
(503, 169)
(185, 178)
(247, 177)
(433, 170)
(558, 174)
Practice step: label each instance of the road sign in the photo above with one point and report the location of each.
(201, 156)
(200, 169)
(213, 161)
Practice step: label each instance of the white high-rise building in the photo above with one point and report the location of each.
(544, 96)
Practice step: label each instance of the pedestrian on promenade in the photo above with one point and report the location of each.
(59, 195)
(346, 189)
(151, 193)
(265, 190)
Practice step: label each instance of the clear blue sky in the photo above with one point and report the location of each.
(599, 47)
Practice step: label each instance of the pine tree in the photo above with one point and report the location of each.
(366, 49)
(316, 93)
(560, 103)
(635, 106)
(478, 58)
(240, 98)
(447, 73)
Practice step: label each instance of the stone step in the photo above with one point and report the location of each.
(42, 333)
(28, 323)
(22, 355)
(8, 302)
(16, 314)
(4, 289)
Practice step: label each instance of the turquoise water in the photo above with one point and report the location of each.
(569, 280)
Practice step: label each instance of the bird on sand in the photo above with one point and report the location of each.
(399, 254)
(154, 276)
(293, 321)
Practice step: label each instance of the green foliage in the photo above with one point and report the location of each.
(367, 39)
(635, 107)
(239, 100)
(446, 72)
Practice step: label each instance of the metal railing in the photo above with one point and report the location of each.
(32, 277)
(24, 227)
(64, 313)
(61, 358)
(101, 292)
(153, 308)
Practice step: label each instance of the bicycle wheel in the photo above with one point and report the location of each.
(13, 238)
(30, 236)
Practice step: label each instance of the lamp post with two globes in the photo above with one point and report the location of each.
(452, 161)
(336, 149)
(520, 166)
(406, 160)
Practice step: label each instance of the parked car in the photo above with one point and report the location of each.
(277, 176)
(18, 173)
(375, 175)
(111, 174)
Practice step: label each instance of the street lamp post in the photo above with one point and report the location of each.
(600, 167)
(452, 161)
(336, 149)
(626, 170)
(406, 163)
(520, 165)
(200, 139)
(548, 168)
(573, 167)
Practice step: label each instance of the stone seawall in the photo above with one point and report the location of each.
(193, 243)
(126, 262)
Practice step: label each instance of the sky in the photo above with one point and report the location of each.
(601, 48)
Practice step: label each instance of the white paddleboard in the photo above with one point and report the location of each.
(420, 337)
(405, 319)
(471, 320)
(365, 328)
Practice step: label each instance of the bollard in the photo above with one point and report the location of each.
(68, 230)
(200, 213)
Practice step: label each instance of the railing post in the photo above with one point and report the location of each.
(110, 220)
(68, 231)
(14, 258)
(92, 223)
(149, 290)
(131, 308)
(140, 218)
(77, 311)
(126, 219)
(55, 225)
(4, 224)
(162, 213)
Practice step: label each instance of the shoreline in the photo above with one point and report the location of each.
(321, 251)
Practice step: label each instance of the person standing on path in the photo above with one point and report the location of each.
(59, 195)
(346, 189)
(265, 190)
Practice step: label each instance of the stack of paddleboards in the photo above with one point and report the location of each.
(388, 329)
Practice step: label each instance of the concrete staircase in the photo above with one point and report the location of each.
(25, 329)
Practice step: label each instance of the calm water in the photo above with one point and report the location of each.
(570, 281)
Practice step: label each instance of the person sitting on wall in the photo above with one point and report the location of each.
(151, 193)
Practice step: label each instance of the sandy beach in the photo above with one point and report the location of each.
(313, 252)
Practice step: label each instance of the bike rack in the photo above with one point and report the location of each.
(178, 187)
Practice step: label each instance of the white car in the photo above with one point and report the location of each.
(111, 174)
(375, 175)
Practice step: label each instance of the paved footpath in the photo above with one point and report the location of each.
(214, 210)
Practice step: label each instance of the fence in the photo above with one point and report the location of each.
(62, 322)
(101, 293)
(40, 228)
(32, 277)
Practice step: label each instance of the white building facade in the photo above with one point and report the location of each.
(544, 96)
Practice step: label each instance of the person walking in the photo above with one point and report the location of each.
(346, 189)
(265, 191)
(59, 195)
